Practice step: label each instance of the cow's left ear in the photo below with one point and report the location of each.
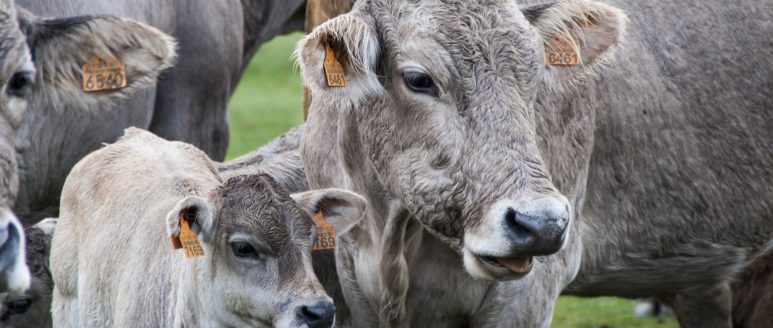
(61, 47)
(341, 208)
(577, 36)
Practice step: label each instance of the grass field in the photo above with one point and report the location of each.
(268, 102)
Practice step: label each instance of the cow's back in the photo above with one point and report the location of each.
(679, 181)
(110, 253)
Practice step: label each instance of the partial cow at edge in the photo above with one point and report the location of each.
(32, 307)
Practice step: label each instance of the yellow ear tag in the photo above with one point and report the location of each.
(103, 73)
(559, 52)
(188, 240)
(326, 233)
(333, 69)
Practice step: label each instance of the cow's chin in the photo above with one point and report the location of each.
(498, 269)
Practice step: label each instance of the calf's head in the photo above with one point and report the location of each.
(438, 107)
(41, 64)
(257, 243)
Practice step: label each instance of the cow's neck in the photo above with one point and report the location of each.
(188, 308)
(264, 19)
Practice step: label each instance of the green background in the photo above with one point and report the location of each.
(269, 102)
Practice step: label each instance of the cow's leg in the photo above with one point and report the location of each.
(704, 307)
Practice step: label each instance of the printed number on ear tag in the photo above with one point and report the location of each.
(326, 233)
(187, 240)
(334, 72)
(559, 52)
(103, 73)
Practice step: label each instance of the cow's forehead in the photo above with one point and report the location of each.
(461, 34)
(256, 205)
(458, 20)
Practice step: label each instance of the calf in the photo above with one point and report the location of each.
(112, 262)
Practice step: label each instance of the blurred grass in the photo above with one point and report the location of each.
(269, 101)
(269, 98)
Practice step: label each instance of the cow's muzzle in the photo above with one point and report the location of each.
(503, 245)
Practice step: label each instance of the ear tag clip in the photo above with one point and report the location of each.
(333, 69)
(188, 240)
(100, 74)
(326, 233)
(559, 52)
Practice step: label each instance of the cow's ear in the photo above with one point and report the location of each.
(341, 208)
(197, 212)
(61, 47)
(577, 36)
(348, 42)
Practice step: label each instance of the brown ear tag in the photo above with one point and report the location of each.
(559, 52)
(188, 240)
(333, 69)
(103, 73)
(326, 233)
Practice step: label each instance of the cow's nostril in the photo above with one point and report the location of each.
(516, 226)
(318, 315)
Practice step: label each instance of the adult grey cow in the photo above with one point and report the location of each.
(59, 48)
(651, 177)
(216, 41)
(53, 116)
(255, 269)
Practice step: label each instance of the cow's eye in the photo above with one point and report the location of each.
(420, 82)
(19, 84)
(244, 249)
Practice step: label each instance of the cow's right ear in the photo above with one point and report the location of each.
(197, 212)
(354, 46)
(61, 47)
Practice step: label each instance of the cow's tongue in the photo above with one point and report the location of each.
(517, 265)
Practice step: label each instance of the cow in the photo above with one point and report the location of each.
(254, 242)
(512, 153)
(32, 307)
(216, 40)
(280, 159)
(42, 65)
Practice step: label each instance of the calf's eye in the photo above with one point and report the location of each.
(420, 82)
(244, 249)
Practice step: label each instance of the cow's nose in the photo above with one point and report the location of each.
(537, 227)
(318, 315)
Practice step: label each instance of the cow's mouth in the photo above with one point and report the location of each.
(518, 265)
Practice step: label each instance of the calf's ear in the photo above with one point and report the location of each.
(341, 208)
(354, 47)
(61, 47)
(589, 30)
(197, 212)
